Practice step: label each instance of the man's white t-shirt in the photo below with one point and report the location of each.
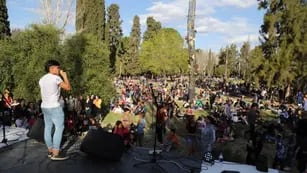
(50, 90)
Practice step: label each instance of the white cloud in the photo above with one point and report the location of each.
(253, 38)
(236, 3)
(34, 10)
(232, 29)
(174, 11)
(232, 26)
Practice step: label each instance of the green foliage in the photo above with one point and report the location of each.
(219, 71)
(72, 52)
(128, 53)
(164, 54)
(134, 45)
(6, 65)
(31, 49)
(256, 66)
(124, 60)
(114, 33)
(243, 60)
(283, 39)
(95, 77)
(4, 22)
(90, 17)
(153, 27)
(83, 56)
(228, 57)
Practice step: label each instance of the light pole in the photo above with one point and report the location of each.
(191, 47)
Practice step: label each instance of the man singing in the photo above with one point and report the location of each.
(50, 87)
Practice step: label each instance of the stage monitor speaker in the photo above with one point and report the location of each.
(103, 145)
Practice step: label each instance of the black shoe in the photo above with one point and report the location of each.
(49, 154)
(59, 157)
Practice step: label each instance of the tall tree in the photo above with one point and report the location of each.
(153, 27)
(134, 44)
(164, 54)
(6, 64)
(205, 60)
(114, 33)
(124, 60)
(90, 17)
(243, 61)
(283, 40)
(32, 48)
(95, 60)
(228, 60)
(257, 65)
(4, 22)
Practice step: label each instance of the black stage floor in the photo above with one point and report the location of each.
(30, 156)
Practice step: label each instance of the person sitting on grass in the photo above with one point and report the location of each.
(171, 141)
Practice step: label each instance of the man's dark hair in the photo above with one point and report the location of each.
(50, 63)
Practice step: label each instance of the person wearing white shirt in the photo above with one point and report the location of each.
(50, 88)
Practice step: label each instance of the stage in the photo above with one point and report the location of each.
(231, 166)
(27, 155)
(31, 156)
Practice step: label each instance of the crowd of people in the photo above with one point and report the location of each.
(226, 104)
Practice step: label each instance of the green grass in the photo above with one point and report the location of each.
(111, 118)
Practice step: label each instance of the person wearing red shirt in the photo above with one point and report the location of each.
(120, 130)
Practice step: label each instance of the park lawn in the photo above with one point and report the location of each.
(111, 118)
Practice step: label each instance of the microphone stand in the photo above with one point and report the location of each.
(4, 140)
(154, 155)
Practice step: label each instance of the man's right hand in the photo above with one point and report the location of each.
(63, 74)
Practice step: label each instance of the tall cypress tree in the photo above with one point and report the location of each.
(244, 53)
(283, 40)
(114, 32)
(90, 17)
(153, 27)
(4, 22)
(134, 43)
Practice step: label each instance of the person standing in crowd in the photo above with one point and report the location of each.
(212, 97)
(50, 88)
(305, 103)
(252, 116)
(191, 127)
(300, 98)
(301, 139)
(208, 136)
(140, 129)
(161, 122)
(6, 107)
(88, 106)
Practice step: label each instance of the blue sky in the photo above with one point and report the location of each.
(218, 22)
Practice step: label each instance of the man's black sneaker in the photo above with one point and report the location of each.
(59, 157)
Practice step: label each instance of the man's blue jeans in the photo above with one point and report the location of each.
(53, 116)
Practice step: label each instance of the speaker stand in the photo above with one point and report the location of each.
(4, 140)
